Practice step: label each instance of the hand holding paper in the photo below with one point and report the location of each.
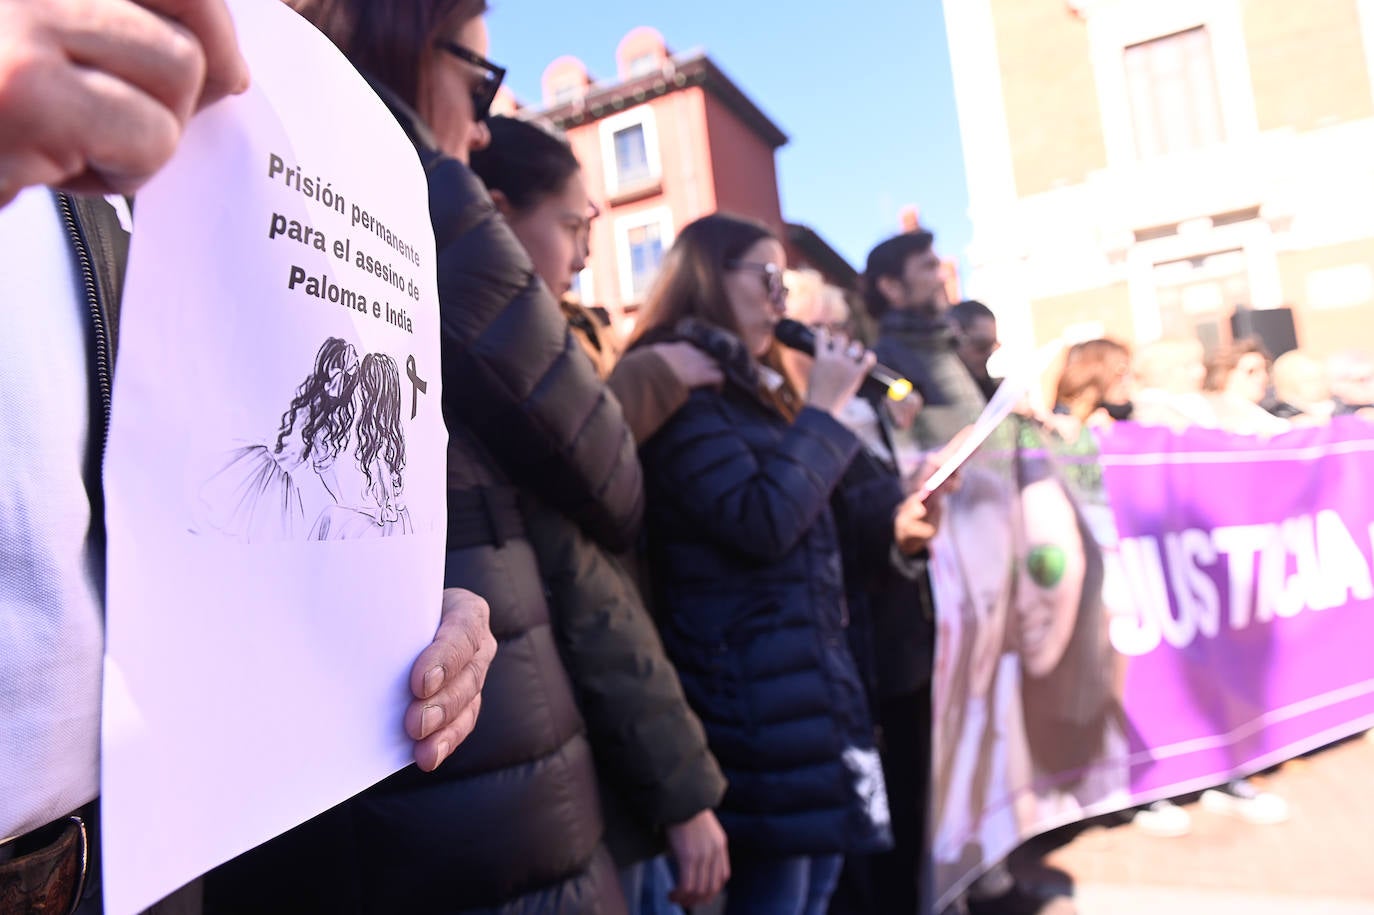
(915, 524)
(447, 678)
(1010, 394)
(301, 497)
(94, 95)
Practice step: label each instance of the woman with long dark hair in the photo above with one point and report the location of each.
(255, 496)
(510, 822)
(659, 781)
(376, 508)
(538, 185)
(746, 570)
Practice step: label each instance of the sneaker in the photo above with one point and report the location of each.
(1242, 799)
(1163, 819)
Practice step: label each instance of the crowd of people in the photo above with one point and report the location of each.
(687, 630)
(1240, 387)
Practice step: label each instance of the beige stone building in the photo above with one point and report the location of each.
(1143, 168)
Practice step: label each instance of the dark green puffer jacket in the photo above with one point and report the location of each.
(653, 765)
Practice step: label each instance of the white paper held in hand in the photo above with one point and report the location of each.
(274, 478)
(1011, 392)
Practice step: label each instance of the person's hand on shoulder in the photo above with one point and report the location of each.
(691, 367)
(447, 678)
(699, 847)
(94, 94)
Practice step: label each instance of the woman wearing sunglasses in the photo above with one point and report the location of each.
(745, 566)
(511, 821)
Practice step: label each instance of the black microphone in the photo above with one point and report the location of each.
(796, 335)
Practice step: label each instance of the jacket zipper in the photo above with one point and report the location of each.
(92, 288)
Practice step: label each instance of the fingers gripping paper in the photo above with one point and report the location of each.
(274, 474)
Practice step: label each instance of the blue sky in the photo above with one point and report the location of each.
(863, 89)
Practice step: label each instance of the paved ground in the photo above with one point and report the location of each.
(1321, 862)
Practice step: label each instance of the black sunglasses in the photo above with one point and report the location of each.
(772, 278)
(492, 75)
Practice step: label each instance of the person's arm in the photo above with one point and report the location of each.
(866, 503)
(759, 505)
(446, 679)
(94, 94)
(646, 738)
(700, 848)
(653, 382)
(648, 391)
(914, 525)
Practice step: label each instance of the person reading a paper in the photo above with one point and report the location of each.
(93, 98)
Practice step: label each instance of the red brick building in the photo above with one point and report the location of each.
(669, 139)
(1144, 168)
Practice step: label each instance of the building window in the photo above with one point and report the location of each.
(646, 253)
(629, 148)
(1196, 295)
(631, 156)
(641, 241)
(562, 95)
(583, 289)
(1172, 83)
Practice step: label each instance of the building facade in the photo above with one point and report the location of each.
(669, 139)
(1147, 168)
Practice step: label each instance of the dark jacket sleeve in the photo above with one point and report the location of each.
(758, 505)
(866, 503)
(649, 745)
(514, 374)
(648, 390)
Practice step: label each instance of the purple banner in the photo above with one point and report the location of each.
(1140, 617)
(1248, 633)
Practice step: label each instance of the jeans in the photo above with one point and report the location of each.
(646, 885)
(781, 886)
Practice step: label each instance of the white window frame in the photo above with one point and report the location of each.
(661, 216)
(1255, 238)
(642, 116)
(586, 286)
(1114, 27)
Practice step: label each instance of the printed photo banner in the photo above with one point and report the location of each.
(1116, 628)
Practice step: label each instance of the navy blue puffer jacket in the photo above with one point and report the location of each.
(745, 567)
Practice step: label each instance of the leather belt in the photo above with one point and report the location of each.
(48, 871)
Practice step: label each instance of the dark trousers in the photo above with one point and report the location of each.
(896, 882)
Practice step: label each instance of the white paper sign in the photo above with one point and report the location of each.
(275, 470)
(1009, 394)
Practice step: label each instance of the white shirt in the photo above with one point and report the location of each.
(51, 625)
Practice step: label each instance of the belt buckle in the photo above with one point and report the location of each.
(85, 862)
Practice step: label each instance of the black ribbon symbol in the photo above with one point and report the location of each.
(418, 386)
